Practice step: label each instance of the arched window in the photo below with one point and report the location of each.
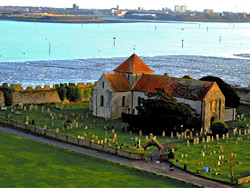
(123, 101)
(101, 100)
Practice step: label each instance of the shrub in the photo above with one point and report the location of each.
(219, 127)
(62, 93)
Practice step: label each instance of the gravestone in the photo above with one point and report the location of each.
(187, 142)
(203, 140)
(172, 134)
(151, 135)
(191, 134)
(140, 133)
(163, 133)
(52, 124)
(57, 130)
(217, 137)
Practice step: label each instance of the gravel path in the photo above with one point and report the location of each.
(152, 166)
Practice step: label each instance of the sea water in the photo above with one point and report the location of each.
(34, 53)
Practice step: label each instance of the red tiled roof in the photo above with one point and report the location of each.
(118, 82)
(177, 87)
(134, 65)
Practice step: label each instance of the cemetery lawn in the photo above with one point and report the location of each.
(29, 163)
(85, 119)
(213, 153)
(244, 121)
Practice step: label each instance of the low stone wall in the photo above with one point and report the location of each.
(230, 114)
(74, 140)
(244, 94)
(243, 180)
(123, 153)
(30, 128)
(40, 130)
(62, 137)
(96, 146)
(84, 143)
(109, 150)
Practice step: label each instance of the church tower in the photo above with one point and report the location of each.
(133, 68)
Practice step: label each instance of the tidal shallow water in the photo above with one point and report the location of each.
(235, 71)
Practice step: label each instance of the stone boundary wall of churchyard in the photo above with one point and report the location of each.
(15, 93)
(244, 94)
(73, 140)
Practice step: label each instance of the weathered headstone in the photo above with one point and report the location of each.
(172, 134)
(217, 137)
(163, 133)
(187, 142)
(151, 135)
(140, 133)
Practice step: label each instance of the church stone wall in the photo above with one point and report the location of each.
(213, 106)
(194, 104)
(112, 101)
(101, 88)
(117, 108)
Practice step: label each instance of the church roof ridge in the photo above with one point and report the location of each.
(133, 65)
(177, 87)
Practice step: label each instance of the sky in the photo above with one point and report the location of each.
(216, 5)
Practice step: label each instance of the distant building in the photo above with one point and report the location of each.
(140, 8)
(75, 7)
(180, 9)
(208, 11)
(177, 8)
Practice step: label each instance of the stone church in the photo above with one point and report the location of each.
(119, 92)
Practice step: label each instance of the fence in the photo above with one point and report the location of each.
(73, 140)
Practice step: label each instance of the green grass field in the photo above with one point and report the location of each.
(82, 109)
(241, 148)
(224, 148)
(29, 163)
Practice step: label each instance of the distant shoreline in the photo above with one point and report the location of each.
(51, 19)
